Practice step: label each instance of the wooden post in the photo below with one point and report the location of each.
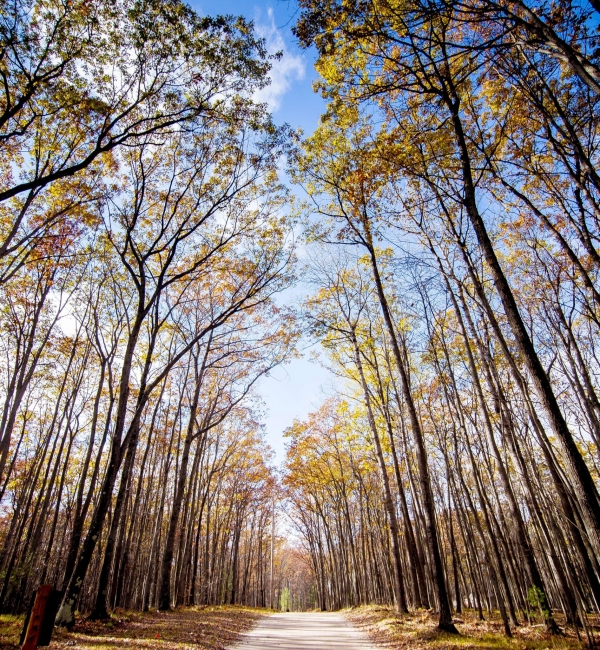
(37, 616)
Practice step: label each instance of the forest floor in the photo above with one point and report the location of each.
(417, 631)
(187, 628)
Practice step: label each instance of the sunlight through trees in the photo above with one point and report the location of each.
(448, 213)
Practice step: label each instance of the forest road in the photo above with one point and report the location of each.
(304, 631)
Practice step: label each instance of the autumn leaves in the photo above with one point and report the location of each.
(451, 225)
(455, 167)
(143, 237)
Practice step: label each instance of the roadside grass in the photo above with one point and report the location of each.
(193, 628)
(10, 630)
(418, 631)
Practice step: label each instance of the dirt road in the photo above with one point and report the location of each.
(304, 631)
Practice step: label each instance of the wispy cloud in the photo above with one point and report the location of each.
(289, 68)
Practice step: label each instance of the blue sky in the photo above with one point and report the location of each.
(292, 391)
(290, 95)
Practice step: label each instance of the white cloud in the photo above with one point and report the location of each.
(289, 68)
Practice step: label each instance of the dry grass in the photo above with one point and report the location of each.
(417, 631)
(187, 628)
(10, 630)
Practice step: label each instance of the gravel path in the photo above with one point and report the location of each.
(304, 631)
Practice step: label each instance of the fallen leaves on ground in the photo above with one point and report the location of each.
(10, 630)
(418, 631)
(186, 628)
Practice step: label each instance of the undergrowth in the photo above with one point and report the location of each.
(418, 631)
(186, 628)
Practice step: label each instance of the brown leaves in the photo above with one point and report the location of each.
(192, 628)
(212, 628)
(418, 630)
